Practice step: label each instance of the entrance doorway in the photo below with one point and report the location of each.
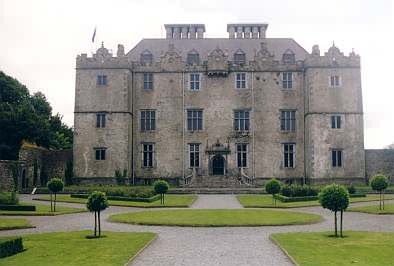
(218, 165)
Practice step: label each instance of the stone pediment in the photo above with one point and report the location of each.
(171, 60)
(217, 148)
(217, 63)
(264, 59)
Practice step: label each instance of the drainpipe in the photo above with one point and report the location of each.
(253, 130)
(183, 125)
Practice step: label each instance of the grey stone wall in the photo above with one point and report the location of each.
(6, 179)
(379, 161)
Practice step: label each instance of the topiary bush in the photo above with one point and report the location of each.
(10, 246)
(299, 191)
(55, 185)
(351, 189)
(97, 202)
(273, 187)
(161, 187)
(8, 198)
(335, 198)
(380, 183)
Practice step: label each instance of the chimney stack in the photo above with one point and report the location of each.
(247, 30)
(184, 31)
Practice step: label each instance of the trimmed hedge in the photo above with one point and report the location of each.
(151, 199)
(8, 198)
(17, 207)
(309, 198)
(299, 191)
(10, 246)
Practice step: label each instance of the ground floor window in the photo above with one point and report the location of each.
(289, 155)
(336, 158)
(100, 154)
(148, 150)
(194, 151)
(242, 155)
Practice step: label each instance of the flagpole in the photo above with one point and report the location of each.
(92, 46)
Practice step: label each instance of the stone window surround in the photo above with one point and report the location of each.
(241, 123)
(101, 120)
(194, 151)
(287, 80)
(148, 150)
(241, 81)
(193, 58)
(147, 122)
(335, 81)
(101, 80)
(147, 81)
(337, 157)
(193, 83)
(199, 126)
(337, 121)
(287, 154)
(288, 122)
(241, 154)
(100, 153)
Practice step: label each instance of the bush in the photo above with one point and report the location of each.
(8, 198)
(299, 191)
(120, 198)
(351, 189)
(273, 187)
(10, 246)
(380, 183)
(161, 187)
(97, 202)
(55, 185)
(18, 208)
(295, 199)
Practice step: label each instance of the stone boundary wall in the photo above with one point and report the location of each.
(6, 180)
(379, 161)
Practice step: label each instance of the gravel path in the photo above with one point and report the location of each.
(208, 246)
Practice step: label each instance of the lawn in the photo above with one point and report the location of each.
(212, 217)
(357, 248)
(265, 201)
(10, 224)
(43, 210)
(73, 248)
(170, 201)
(374, 209)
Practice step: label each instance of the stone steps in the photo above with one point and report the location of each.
(216, 182)
(191, 190)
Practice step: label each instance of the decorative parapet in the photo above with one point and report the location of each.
(332, 58)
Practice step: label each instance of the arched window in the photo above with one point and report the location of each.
(239, 57)
(146, 57)
(288, 57)
(193, 58)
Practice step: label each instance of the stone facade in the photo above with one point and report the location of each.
(288, 95)
(379, 162)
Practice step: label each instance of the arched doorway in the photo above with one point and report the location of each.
(218, 165)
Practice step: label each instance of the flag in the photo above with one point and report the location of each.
(94, 34)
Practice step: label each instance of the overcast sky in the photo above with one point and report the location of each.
(39, 40)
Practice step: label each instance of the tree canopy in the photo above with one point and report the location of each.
(28, 117)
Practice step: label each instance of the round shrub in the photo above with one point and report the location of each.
(351, 189)
(273, 186)
(97, 201)
(379, 182)
(161, 187)
(55, 185)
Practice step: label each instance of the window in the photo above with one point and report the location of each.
(193, 59)
(336, 121)
(287, 80)
(100, 154)
(336, 158)
(288, 121)
(101, 80)
(288, 155)
(146, 57)
(148, 81)
(195, 81)
(241, 120)
(148, 120)
(148, 154)
(288, 57)
(194, 120)
(194, 149)
(240, 80)
(239, 57)
(100, 120)
(335, 81)
(242, 155)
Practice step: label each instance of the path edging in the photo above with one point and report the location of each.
(142, 249)
(284, 251)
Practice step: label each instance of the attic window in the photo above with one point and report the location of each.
(288, 57)
(239, 57)
(193, 58)
(146, 57)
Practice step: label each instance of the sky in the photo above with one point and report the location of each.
(39, 40)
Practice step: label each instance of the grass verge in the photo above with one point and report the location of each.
(374, 209)
(216, 217)
(356, 248)
(73, 248)
(14, 223)
(179, 201)
(265, 201)
(43, 210)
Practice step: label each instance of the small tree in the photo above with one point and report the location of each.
(97, 202)
(380, 183)
(273, 187)
(55, 185)
(161, 187)
(335, 198)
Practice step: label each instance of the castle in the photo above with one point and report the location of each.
(219, 111)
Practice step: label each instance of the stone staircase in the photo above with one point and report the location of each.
(216, 181)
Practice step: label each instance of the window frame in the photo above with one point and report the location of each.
(193, 61)
(242, 82)
(288, 123)
(193, 151)
(237, 61)
(100, 153)
(286, 83)
(199, 118)
(335, 81)
(337, 161)
(149, 162)
(286, 163)
(101, 120)
(242, 122)
(147, 123)
(147, 81)
(242, 155)
(193, 82)
(101, 80)
(336, 122)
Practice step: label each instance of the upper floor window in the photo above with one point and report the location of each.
(194, 149)
(194, 120)
(336, 121)
(242, 155)
(148, 120)
(336, 158)
(193, 58)
(148, 81)
(288, 120)
(241, 120)
(146, 57)
(100, 153)
(335, 81)
(101, 80)
(100, 120)
(240, 80)
(288, 57)
(195, 81)
(148, 150)
(239, 57)
(289, 155)
(287, 80)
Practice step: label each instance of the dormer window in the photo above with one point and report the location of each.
(146, 57)
(288, 57)
(239, 57)
(193, 58)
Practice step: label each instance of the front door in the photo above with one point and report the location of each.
(218, 165)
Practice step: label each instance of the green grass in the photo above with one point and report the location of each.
(10, 224)
(374, 209)
(73, 248)
(212, 217)
(357, 248)
(265, 201)
(170, 201)
(43, 210)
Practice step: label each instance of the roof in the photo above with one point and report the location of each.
(204, 46)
